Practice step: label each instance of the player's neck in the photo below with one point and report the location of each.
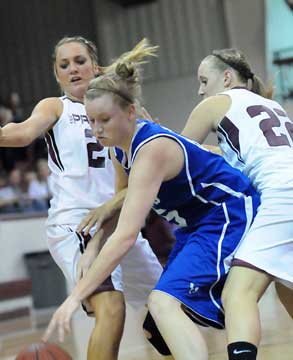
(73, 98)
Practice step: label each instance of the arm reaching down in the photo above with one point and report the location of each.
(95, 244)
(151, 167)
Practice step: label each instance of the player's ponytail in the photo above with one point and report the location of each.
(122, 77)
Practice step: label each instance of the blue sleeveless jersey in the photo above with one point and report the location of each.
(205, 182)
(213, 205)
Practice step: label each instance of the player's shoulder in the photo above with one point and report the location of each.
(51, 101)
(213, 109)
(218, 101)
(49, 106)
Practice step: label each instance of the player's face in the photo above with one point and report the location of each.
(111, 125)
(74, 69)
(211, 81)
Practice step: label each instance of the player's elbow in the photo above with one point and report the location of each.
(128, 241)
(23, 141)
(25, 138)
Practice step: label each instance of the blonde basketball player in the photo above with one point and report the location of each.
(255, 136)
(82, 179)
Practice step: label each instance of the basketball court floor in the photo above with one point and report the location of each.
(277, 339)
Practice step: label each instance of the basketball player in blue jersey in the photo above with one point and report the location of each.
(211, 203)
(82, 178)
(255, 136)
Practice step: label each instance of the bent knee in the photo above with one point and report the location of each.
(244, 283)
(160, 302)
(109, 305)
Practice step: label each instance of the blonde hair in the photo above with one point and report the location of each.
(122, 77)
(235, 59)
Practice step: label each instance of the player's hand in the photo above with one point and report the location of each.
(146, 115)
(214, 149)
(90, 254)
(61, 319)
(95, 217)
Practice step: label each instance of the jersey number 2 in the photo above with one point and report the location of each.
(93, 148)
(95, 161)
(275, 119)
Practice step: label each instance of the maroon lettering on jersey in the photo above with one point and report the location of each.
(268, 124)
(88, 133)
(93, 149)
(84, 118)
(289, 127)
(74, 118)
(280, 112)
(288, 124)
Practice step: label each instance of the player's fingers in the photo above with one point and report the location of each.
(98, 224)
(61, 331)
(49, 330)
(92, 222)
(67, 326)
(83, 224)
(86, 220)
(146, 114)
(86, 231)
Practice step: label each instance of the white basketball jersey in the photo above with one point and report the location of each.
(256, 136)
(82, 174)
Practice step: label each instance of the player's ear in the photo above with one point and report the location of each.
(56, 75)
(132, 112)
(97, 70)
(228, 78)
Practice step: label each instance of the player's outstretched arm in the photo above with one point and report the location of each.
(43, 117)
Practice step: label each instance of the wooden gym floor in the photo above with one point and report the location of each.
(277, 339)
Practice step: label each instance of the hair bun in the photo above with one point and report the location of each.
(124, 70)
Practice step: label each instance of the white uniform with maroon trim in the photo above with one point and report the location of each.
(256, 136)
(82, 178)
(82, 173)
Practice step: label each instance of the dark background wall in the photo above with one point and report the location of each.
(185, 30)
(29, 29)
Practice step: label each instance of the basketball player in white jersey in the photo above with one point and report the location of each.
(82, 179)
(256, 136)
